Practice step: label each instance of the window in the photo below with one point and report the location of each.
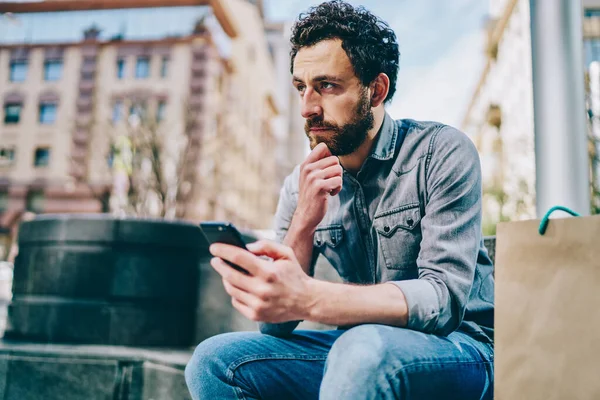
(592, 13)
(12, 113)
(164, 67)
(137, 109)
(160, 111)
(120, 68)
(142, 67)
(117, 111)
(53, 70)
(47, 113)
(35, 201)
(42, 157)
(7, 156)
(18, 71)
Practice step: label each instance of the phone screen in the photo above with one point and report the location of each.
(224, 232)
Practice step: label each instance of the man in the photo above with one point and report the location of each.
(395, 206)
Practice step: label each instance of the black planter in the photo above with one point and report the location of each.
(100, 280)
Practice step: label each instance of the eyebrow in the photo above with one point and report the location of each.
(320, 78)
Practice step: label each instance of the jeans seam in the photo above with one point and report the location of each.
(439, 363)
(237, 363)
(244, 360)
(416, 366)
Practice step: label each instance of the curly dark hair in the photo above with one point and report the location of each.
(367, 40)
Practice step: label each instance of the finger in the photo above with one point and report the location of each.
(239, 294)
(331, 184)
(335, 192)
(271, 249)
(320, 151)
(231, 275)
(330, 172)
(325, 163)
(244, 309)
(237, 256)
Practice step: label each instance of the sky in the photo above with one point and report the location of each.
(442, 52)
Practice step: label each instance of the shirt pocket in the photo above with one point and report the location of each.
(328, 241)
(328, 237)
(399, 236)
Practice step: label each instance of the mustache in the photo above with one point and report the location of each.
(320, 124)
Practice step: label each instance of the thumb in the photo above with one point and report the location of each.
(270, 249)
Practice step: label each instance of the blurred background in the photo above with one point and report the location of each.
(185, 108)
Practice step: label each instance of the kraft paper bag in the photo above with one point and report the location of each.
(547, 318)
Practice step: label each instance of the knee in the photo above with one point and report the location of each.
(209, 359)
(360, 352)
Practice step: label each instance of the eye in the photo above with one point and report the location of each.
(300, 88)
(327, 85)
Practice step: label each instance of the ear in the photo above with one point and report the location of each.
(379, 89)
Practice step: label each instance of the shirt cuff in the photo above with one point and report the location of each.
(422, 302)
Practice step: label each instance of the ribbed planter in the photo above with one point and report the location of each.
(100, 280)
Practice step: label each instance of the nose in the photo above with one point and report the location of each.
(311, 106)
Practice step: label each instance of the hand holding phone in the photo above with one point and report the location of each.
(224, 232)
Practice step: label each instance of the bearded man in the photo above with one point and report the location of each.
(395, 206)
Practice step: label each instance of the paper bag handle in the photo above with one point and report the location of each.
(546, 219)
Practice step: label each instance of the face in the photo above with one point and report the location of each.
(335, 104)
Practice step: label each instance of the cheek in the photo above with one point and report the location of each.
(340, 110)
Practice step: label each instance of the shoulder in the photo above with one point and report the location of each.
(291, 182)
(436, 138)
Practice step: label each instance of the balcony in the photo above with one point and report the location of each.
(84, 104)
(88, 68)
(80, 137)
(591, 27)
(198, 84)
(86, 85)
(198, 67)
(83, 120)
(77, 170)
(79, 153)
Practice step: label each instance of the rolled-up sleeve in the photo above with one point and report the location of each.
(451, 234)
(288, 201)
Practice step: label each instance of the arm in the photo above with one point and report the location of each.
(300, 238)
(287, 233)
(302, 205)
(343, 304)
(436, 301)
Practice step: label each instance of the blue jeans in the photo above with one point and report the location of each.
(364, 362)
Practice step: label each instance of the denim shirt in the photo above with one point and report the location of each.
(411, 216)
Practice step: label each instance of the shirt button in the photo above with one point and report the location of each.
(333, 240)
(410, 222)
(386, 228)
(318, 242)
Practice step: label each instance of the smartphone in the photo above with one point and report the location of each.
(224, 232)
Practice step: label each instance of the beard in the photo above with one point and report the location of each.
(344, 139)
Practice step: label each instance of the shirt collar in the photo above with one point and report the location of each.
(386, 139)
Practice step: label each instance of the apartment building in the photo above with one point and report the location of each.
(74, 73)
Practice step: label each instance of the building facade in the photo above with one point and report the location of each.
(292, 142)
(500, 118)
(201, 71)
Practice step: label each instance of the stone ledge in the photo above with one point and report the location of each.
(31, 371)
